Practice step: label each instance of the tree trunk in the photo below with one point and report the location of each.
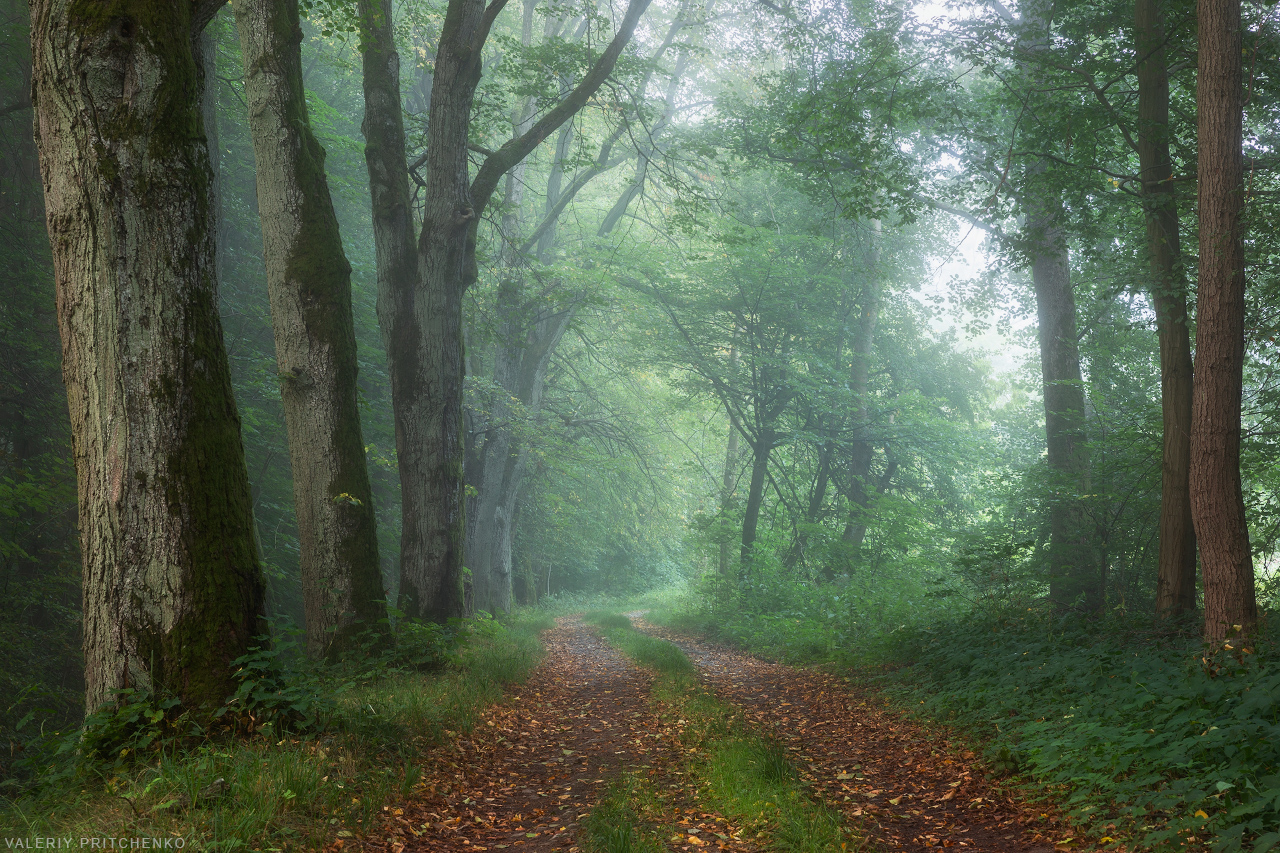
(1071, 563)
(729, 481)
(1071, 568)
(861, 452)
(855, 533)
(173, 588)
(414, 330)
(309, 284)
(760, 450)
(426, 329)
(1176, 579)
(1216, 500)
(397, 259)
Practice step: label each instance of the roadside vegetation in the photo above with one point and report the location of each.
(303, 753)
(1142, 734)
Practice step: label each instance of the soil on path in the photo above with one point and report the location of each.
(909, 789)
(537, 763)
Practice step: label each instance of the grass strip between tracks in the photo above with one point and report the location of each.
(730, 768)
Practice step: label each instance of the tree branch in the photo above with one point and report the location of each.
(202, 12)
(517, 148)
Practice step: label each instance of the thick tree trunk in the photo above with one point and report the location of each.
(173, 588)
(1176, 579)
(309, 284)
(1216, 500)
(425, 331)
(419, 326)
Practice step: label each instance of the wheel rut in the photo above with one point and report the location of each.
(537, 763)
(909, 788)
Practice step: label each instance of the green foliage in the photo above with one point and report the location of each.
(1133, 726)
(139, 722)
(278, 689)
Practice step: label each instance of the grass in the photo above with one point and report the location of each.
(281, 791)
(732, 769)
(626, 819)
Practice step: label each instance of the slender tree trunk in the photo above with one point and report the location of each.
(1071, 569)
(1071, 560)
(728, 482)
(173, 588)
(856, 531)
(309, 283)
(760, 450)
(861, 450)
(1216, 500)
(1176, 584)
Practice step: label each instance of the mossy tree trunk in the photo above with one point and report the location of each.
(173, 589)
(1176, 578)
(1217, 503)
(309, 284)
(423, 323)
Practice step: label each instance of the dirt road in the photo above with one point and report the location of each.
(537, 764)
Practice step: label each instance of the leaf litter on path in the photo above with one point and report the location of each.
(536, 764)
(533, 768)
(911, 789)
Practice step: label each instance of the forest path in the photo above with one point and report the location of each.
(909, 788)
(537, 763)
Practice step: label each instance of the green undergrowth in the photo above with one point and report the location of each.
(842, 622)
(731, 769)
(301, 755)
(1136, 730)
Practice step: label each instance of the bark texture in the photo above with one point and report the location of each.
(1217, 504)
(173, 588)
(309, 284)
(1176, 579)
(397, 259)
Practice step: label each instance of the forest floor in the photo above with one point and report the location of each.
(534, 768)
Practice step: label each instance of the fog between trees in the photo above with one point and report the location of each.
(440, 308)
